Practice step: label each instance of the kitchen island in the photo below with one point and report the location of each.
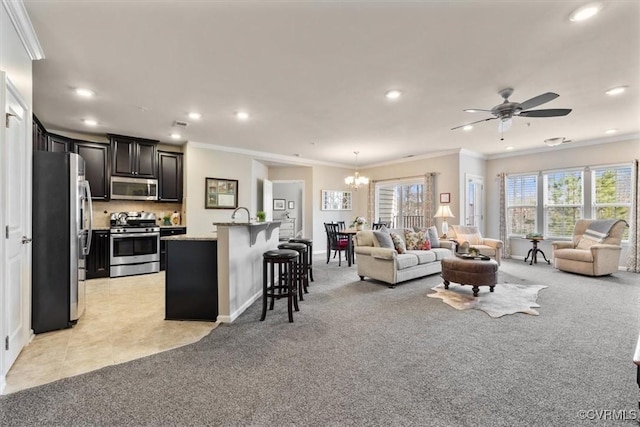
(229, 261)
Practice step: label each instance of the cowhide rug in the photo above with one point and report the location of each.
(506, 298)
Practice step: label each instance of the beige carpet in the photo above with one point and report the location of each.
(506, 298)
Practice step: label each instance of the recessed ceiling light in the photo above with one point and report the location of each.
(471, 110)
(509, 148)
(610, 131)
(585, 12)
(90, 122)
(175, 136)
(86, 93)
(195, 116)
(616, 90)
(242, 115)
(393, 94)
(467, 127)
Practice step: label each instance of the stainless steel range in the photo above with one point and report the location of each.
(135, 243)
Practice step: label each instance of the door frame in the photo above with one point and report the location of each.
(6, 87)
(303, 206)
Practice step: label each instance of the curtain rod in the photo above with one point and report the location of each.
(407, 177)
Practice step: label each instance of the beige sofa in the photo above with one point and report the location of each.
(388, 266)
(583, 255)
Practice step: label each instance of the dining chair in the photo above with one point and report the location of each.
(334, 242)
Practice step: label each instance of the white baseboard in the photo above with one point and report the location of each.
(240, 310)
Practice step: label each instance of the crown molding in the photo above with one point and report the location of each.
(22, 23)
(570, 145)
(274, 159)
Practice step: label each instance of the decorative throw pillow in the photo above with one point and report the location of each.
(426, 244)
(413, 240)
(398, 243)
(432, 232)
(384, 239)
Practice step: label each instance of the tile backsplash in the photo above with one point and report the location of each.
(102, 210)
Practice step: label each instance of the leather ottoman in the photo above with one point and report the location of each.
(470, 272)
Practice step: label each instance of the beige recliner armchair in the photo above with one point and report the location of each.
(596, 253)
(471, 234)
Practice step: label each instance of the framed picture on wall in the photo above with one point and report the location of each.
(445, 197)
(279, 204)
(291, 204)
(220, 193)
(336, 200)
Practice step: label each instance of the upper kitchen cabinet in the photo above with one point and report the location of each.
(133, 157)
(169, 176)
(60, 144)
(96, 158)
(39, 136)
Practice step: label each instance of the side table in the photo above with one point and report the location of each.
(533, 252)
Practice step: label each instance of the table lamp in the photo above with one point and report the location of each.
(444, 212)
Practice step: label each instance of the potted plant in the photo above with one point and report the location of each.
(359, 222)
(166, 219)
(261, 215)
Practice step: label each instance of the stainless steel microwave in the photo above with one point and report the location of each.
(133, 188)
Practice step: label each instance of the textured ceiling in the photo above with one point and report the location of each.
(313, 73)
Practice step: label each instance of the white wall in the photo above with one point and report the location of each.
(572, 155)
(200, 163)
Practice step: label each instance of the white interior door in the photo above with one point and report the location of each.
(16, 222)
(474, 201)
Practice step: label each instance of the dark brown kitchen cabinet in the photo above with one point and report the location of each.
(98, 259)
(96, 158)
(171, 231)
(169, 176)
(60, 144)
(39, 136)
(133, 157)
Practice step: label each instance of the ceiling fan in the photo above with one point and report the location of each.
(507, 110)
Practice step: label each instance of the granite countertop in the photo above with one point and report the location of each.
(101, 228)
(250, 224)
(200, 237)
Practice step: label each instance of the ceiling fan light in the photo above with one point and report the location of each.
(611, 131)
(585, 12)
(467, 127)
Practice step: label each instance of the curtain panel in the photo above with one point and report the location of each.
(371, 203)
(429, 208)
(633, 259)
(502, 185)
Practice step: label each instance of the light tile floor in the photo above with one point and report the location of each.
(124, 320)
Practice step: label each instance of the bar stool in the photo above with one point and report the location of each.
(302, 271)
(285, 287)
(309, 244)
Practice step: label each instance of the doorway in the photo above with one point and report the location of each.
(474, 201)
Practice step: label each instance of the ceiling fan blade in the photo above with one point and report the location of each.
(473, 123)
(538, 100)
(553, 112)
(476, 110)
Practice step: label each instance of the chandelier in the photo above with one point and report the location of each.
(356, 180)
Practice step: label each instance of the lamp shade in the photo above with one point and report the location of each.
(444, 212)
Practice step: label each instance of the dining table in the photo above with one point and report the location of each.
(349, 233)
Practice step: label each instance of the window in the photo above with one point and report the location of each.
(612, 193)
(553, 204)
(522, 202)
(400, 204)
(563, 202)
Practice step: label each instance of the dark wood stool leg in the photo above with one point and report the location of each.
(265, 274)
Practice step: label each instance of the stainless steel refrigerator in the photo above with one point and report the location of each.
(62, 214)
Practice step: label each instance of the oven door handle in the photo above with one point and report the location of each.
(125, 235)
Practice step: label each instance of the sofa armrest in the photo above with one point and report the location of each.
(599, 247)
(494, 243)
(562, 245)
(376, 252)
(448, 244)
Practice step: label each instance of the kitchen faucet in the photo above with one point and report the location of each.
(233, 215)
